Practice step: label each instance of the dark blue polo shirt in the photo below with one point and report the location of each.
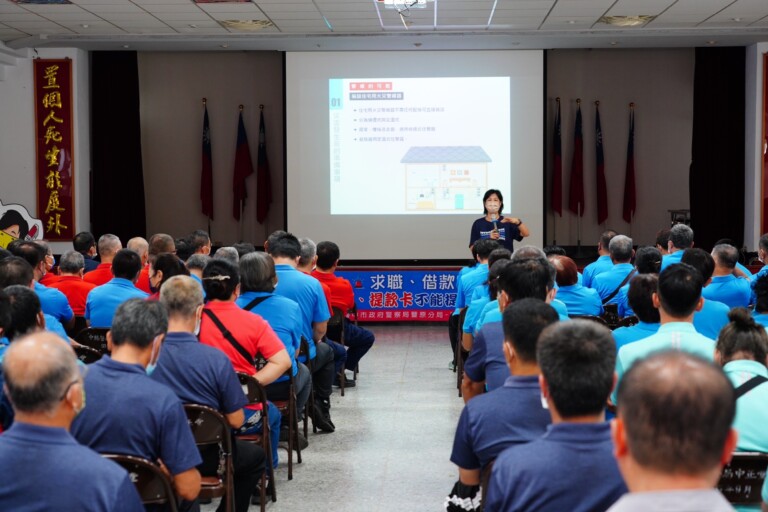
(46, 469)
(128, 413)
(491, 422)
(486, 359)
(198, 374)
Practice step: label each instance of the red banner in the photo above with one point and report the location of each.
(54, 157)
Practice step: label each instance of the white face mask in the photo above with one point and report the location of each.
(196, 332)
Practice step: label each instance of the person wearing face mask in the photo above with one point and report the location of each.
(131, 414)
(46, 388)
(162, 269)
(494, 225)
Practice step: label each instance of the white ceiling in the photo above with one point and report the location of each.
(179, 25)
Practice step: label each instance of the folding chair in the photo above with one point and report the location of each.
(257, 395)
(591, 318)
(211, 428)
(87, 355)
(304, 351)
(336, 323)
(461, 354)
(94, 337)
(80, 324)
(288, 412)
(742, 479)
(154, 486)
(627, 321)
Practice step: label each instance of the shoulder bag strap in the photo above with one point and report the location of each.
(625, 281)
(228, 335)
(255, 302)
(749, 385)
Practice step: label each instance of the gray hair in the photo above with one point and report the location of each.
(197, 261)
(308, 251)
(528, 252)
(109, 244)
(137, 322)
(726, 255)
(257, 272)
(45, 245)
(620, 248)
(71, 262)
(181, 295)
(227, 253)
(681, 236)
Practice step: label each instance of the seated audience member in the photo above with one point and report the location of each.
(454, 329)
(739, 270)
(713, 315)
(183, 249)
(227, 253)
(677, 298)
(742, 348)
(53, 471)
(306, 291)
(159, 243)
(70, 282)
(510, 414)
(486, 366)
(579, 299)
(762, 255)
(5, 322)
(571, 467)
(243, 337)
(603, 262)
(673, 461)
(725, 287)
(15, 271)
(680, 239)
(108, 246)
(478, 275)
(54, 302)
(129, 413)
(200, 374)
(662, 241)
(244, 248)
(141, 247)
(48, 277)
(760, 314)
(85, 244)
(258, 280)
(195, 264)
(640, 296)
(609, 283)
(199, 242)
(647, 261)
(102, 301)
(556, 250)
(480, 304)
(358, 340)
(164, 267)
(26, 313)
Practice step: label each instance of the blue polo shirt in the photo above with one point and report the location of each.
(468, 282)
(670, 336)
(476, 307)
(760, 273)
(732, 291)
(641, 330)
(461, 274)
(571, 467)
(624, 309)
(129, 413)
(712, 317)
(54, 303)
(54, 326)
(200, 281)
(283, 316)
(608, 281)
(598, 266)
(307, 292)
(580, 300)
(760, 318)
(671, 259)
(53, 472)
(486, 359)
(103, 301)
(198, 374)
(490, 313)
(745, 270)
(493, 421)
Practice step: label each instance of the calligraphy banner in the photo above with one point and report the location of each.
(53, 154)
(395, 295)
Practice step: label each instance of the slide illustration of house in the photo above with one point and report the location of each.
(445, 178)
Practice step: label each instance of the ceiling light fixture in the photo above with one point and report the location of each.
(246, 25)
(85, 25)
(626, 21)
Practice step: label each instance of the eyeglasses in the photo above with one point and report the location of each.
(83, 371)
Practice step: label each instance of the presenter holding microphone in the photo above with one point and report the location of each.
(494, 225)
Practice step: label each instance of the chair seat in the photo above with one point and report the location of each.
(211, 481)
(251, 438)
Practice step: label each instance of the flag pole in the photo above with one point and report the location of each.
(242, 203)
(578, 231)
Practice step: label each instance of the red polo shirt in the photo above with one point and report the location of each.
(76, 290)
(100, 275)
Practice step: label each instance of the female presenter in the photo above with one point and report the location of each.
(494, 225)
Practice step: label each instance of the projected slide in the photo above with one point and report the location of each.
(417, 145)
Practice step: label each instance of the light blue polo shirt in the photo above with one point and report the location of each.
(462, 273)
(712, 317)
(760, 273)
(671, 259)
(103, 301)
(641, 330)
(732, 291)
(54, 303)
(608, 281)
(476, 307)
(307, 292)
(598, 266)
(580, 300)
(760, 318)
(469, 282)
(284, 317)
(561, 308)
(670, 336)
(490, 313)
(54, 326)
(745, 270)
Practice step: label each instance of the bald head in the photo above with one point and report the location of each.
(677, 411)
(140, 246)
(38, 369)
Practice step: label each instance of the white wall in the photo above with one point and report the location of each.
(753, 144)
(660, 83)
(17, 136)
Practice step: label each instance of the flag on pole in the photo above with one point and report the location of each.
(557, 167)
(630, 201)
(263, 182)
(243, 169)
(576, 196)
(602, 188)
(206, 177)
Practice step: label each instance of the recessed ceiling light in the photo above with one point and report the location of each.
(614, 43)
(225, 45)
(627, 21)
(736, 19)
(85, 25)
(246, 25)
(711, 42)
(571, 22)
(126, 46)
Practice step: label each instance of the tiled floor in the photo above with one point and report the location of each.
(393, 436)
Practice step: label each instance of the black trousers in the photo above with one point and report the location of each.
(249, 461)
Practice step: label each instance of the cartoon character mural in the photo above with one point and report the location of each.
(16, 223)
